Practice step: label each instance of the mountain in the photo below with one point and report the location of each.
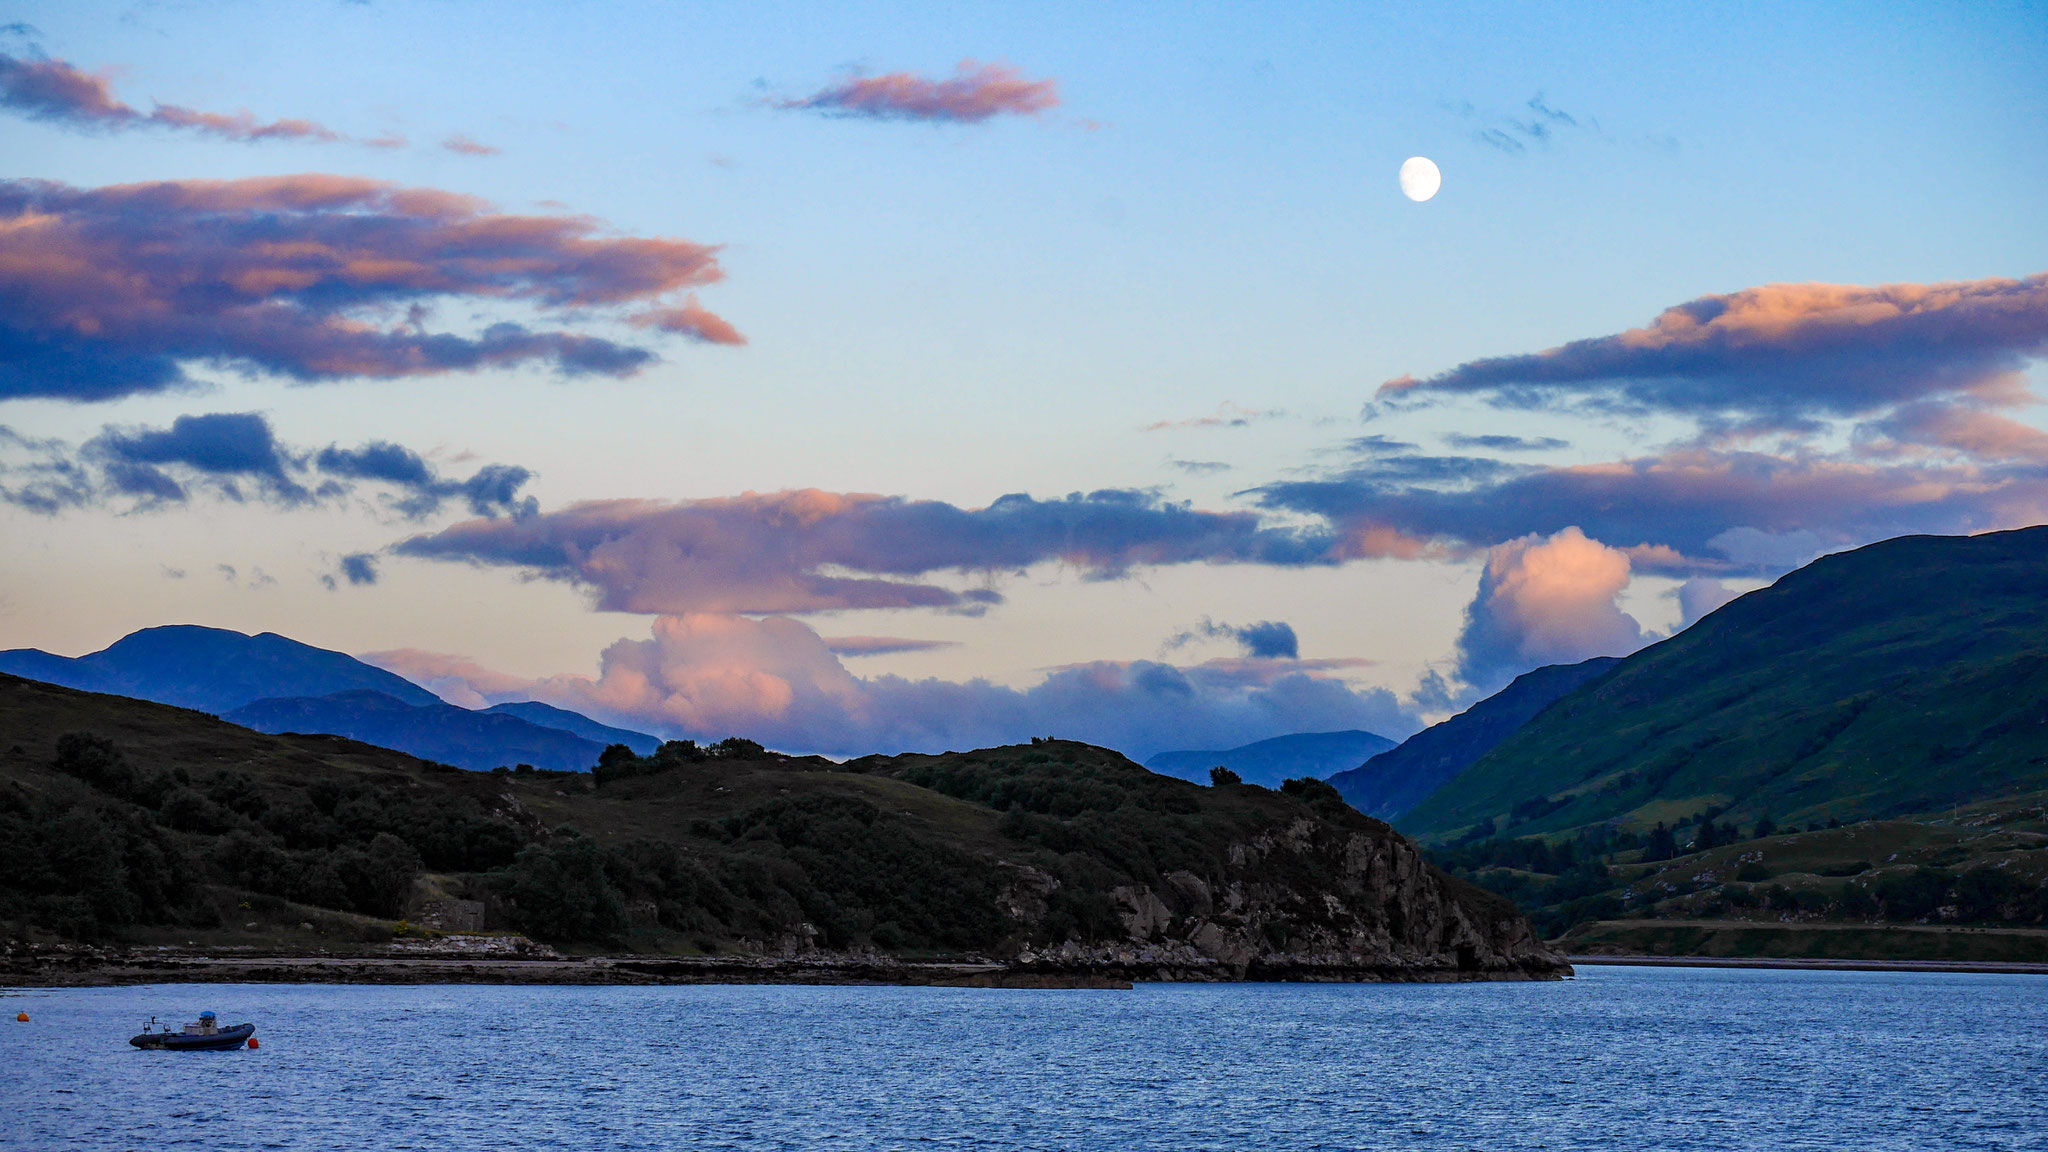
(136, 822)
(210, 669)
(438, 731)
(1268, 762)
(549, 716)
(1391, 783)
(276, 684)
(1903, 678)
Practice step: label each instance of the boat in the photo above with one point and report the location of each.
(203, 1035)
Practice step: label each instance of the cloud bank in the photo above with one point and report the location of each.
(236, 456)
(975, 93)
(1782, 355)
(1833, 415)
(108, 292)
(775, 680)
(811, 551)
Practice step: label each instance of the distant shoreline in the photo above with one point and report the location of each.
(2002, 967)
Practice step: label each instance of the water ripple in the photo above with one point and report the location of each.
(1622, 1059)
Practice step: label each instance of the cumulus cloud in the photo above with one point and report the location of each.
(811, 551)
(1699, 596)
(56, 92)
(1780, 356)
(1264, 640)
(237, 456)
(975, 93)
(458, 680)
(109, 292)
(1545, 600)
(359, 568)
(492, 490)
(775, 680)
(227, 448)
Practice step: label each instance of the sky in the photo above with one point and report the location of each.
(933, 376)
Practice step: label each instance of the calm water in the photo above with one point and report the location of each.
(1618, 1059)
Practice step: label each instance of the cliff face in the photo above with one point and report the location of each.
(1309, 901)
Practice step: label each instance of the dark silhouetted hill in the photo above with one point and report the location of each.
(438, 731)
(126, 820)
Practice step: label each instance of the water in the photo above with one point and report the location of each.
(1620, 1059)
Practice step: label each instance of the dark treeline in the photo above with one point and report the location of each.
(128, 846)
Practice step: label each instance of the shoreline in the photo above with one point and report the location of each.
(102, 969)
(1981, 967)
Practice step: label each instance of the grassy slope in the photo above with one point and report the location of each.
(1905, 677)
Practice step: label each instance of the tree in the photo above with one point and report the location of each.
(1221, 777)
(562, 890)
(1662, 846)
(1765, 826)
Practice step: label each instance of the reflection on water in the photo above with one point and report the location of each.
(1618, 1059)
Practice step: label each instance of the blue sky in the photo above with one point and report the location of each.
(1207, 223)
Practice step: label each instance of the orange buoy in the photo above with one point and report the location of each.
(21, 1017)
(253, 1044)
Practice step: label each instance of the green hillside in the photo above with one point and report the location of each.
(1907, 677)
(133, 822)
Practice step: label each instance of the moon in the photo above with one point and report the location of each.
(1420, 178)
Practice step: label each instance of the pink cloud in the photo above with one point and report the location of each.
(813, 551)
(690, 319)
(1779, 355)
(462, 145)
(776, 681)
(104, 292)
(976, 92)
(1545, 601)
(56, 92)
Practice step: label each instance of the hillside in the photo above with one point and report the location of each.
(1267, 763)
(1907, 677)
(170, 825)
(436, 731)
(1395, 781)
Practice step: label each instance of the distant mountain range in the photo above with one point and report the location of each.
(1269, 762)
(1391, 783)
(276, 684)
(211, 669)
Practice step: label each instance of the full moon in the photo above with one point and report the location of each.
(1420, 178)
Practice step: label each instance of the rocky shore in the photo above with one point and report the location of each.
(498, 960)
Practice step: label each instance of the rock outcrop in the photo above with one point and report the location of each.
(1311, 901)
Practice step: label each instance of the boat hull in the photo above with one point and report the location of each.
(221, 1041)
